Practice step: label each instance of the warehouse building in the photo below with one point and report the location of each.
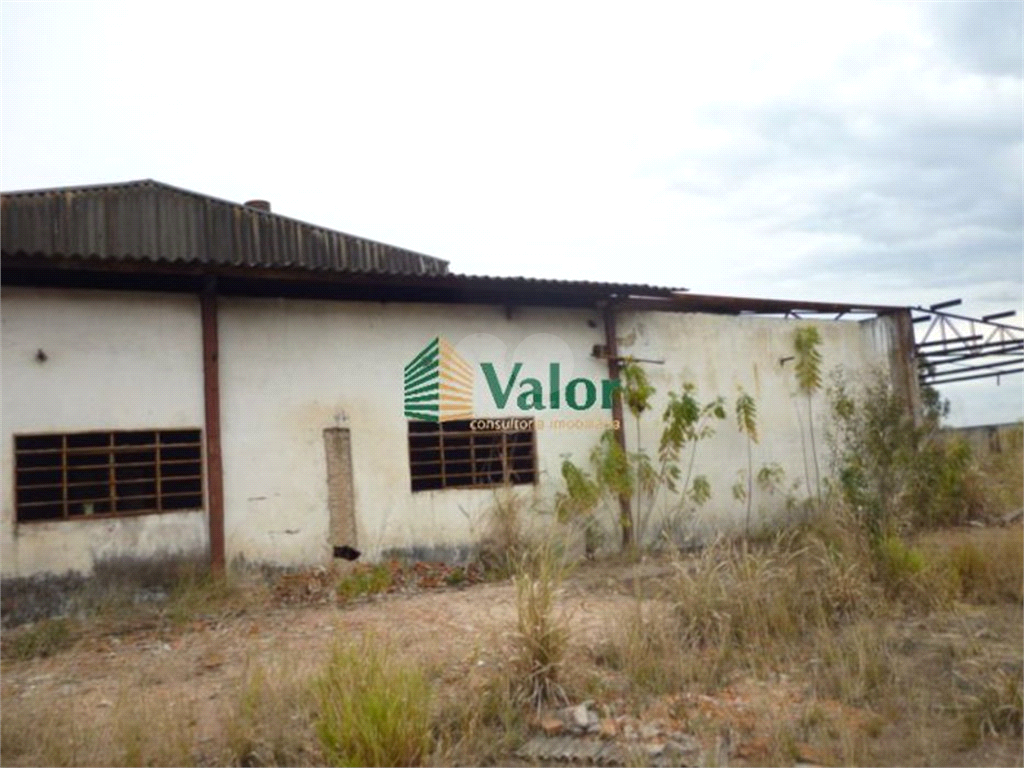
(186, 375)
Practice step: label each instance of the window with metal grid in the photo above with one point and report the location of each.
(80, 475)
(449, 454)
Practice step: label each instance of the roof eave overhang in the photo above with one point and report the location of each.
(248, 280)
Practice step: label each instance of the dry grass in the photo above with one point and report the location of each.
(270, 720)
(876, 673)
(645, 647)
(504, 541)
(996, 709)
(981, 566)
(821, 603)
(481, 725)
(740, 596)
(854, 666)
(196, 595)
(1002, 476)
(133, 730)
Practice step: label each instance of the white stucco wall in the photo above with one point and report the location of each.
(719, 354)
(113, 361)
(290, 369)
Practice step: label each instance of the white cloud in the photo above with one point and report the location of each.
(852, 151)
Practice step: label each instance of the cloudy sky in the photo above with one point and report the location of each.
(852, 151)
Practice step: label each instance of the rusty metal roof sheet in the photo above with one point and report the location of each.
(541, 283)
(154, 222)
(154, 229)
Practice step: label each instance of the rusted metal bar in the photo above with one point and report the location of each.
(957, 370)
(211, 403)
(953, 316)
(696, 302)
(612, 345)
(989, 375)
(974, 350)
(961, 340)
(998, 316)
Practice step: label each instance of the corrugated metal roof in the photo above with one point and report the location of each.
(541, 283)
(151, 221)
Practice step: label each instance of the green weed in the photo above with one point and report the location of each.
(365, 580)
(45, 638)
(372, 709)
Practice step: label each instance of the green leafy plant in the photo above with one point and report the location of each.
(578, 501)
(687, 421)
(746, 421)
(897, 475)
(806, 341)
(770, 477)
(638, 391)
(636, 388)
(616, 473)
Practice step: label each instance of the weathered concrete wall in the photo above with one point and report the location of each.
(113, 361)
(290, 369)
(720, 354)
(893, 337)
(988, 439)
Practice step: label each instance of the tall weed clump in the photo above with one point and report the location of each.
(542, 633)
(372, 709)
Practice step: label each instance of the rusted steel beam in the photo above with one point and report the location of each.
(998, 315)
(973, 350)
(953, 316)
(959, 340)
(612, 346)
(953, 371)
(988, 375)
(211, 405)
(904, 364)
(696, 302)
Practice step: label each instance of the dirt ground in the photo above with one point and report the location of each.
(462, 633)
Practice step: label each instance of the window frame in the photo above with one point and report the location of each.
(483, 470)
(87, 460)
